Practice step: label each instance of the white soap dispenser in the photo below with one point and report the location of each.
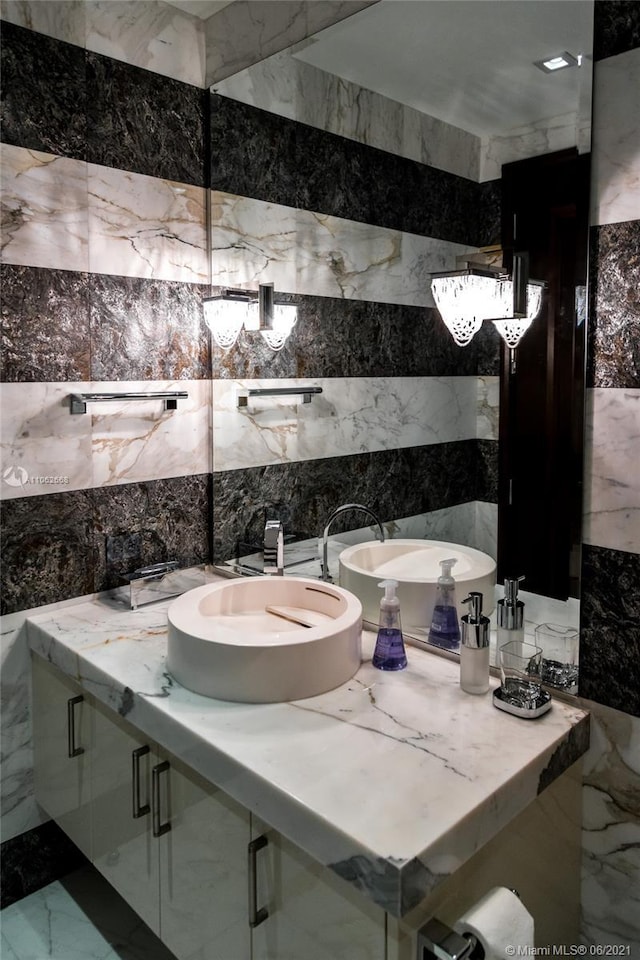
(510, 613)
(474, 647)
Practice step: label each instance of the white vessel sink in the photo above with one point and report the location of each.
(415, 564)
(265, 639)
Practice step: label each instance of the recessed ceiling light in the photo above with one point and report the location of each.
(557, 62)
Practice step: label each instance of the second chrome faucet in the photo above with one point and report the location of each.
(325, 536)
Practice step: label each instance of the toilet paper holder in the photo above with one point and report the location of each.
(437, 941)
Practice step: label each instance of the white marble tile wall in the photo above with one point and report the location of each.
(305, 252)
(289, 87)
(110, 444)
(488, 408)
(612, 491)
(45, 221)
(615, 172)
(532, 140)
(70, 215)
(18, 807)
(352, 415)
(143, 33)
(611, 831)
(250, 30)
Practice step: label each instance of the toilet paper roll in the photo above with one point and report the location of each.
(499, 920)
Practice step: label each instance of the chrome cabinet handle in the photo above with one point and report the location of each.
(72, 749)
(139, 810)
(256, 916)
(159, 829)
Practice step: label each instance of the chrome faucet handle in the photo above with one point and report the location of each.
(273, 550)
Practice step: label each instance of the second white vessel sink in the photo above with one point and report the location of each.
(415, 564)
(265, 639)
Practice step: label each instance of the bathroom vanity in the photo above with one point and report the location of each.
(324, 828)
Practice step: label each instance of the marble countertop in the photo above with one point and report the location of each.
(393, 780)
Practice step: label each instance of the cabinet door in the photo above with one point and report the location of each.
(312, 912)
(124, 849)
(63, 747)
(204, 872)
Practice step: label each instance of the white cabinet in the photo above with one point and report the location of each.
(312, 912)
(180, 851)
(124, 849)
(62, 747)
(204, 875)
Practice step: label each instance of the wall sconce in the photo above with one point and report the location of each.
(228, 313)
(465, 298)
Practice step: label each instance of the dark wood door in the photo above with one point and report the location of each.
(545, 213)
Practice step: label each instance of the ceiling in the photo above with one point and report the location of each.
(468, 62)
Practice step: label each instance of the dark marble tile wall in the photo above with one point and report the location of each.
(140, 121)
(35, 859)
(65, 545)
(614, 292)
(354, 338)
(261, 155)
(44, 96)
(59, 325)
(610, 628)
(64, 100)
(616, 27)
(394, 483)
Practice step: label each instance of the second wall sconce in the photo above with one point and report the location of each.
(228, 313)
(466, 298)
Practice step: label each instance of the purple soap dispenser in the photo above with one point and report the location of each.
(389, 653)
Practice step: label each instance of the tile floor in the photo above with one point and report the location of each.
(79, 917)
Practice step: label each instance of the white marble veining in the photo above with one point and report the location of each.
(143, 33)
(66, 214)
(284, 84)
(142, 226)
(352, 415)
(78, 918)
(532, 140)
(368, 737)
(611, 830)
(488, 408)
(250, 30)
(612, 481)
(18, 807)
(312, 253)
(62, 20)
(47, 450)
(44, 209)
(149, 34)
(615, 170)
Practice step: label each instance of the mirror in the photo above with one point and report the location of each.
(345, 171)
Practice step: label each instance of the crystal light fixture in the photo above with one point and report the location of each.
(512, 329)
(466, 297)
(227, 314)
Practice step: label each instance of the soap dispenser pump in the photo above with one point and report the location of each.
(445, 629)
(510, 613)
(389, 653)
(474, 648)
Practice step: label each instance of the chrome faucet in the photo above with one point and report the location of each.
(273, 550)
(325, 536)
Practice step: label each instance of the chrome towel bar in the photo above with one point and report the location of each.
(305, 392)
(79, 401)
